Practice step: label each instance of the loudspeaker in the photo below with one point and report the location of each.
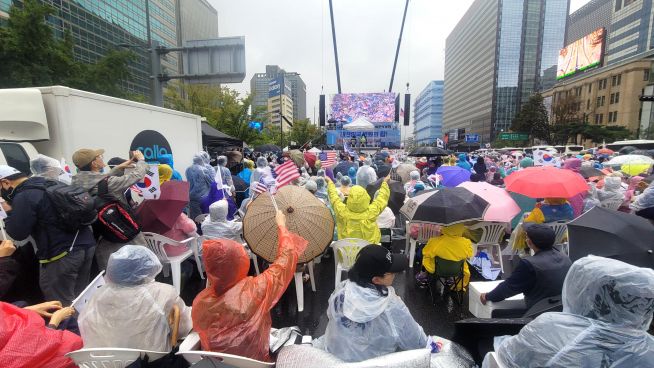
(321, 110)
(407, 108)
(397, 108)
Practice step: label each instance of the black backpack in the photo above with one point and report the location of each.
(74, 206)
(115, 223)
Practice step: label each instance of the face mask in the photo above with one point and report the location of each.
(7, 194)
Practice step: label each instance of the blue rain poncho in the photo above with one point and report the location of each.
(364, 324)
(200, 177)
(167, 159)
(131, 310)
(607, 309)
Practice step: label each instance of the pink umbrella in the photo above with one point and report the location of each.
(502, 207)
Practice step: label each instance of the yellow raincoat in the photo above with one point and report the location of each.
(358, 218)
(450, 245)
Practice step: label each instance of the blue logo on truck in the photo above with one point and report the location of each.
(152, 143)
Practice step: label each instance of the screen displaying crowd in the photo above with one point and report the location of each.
(376, 107)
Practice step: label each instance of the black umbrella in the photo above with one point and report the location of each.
(265, 148)
(445, 207)
(589, 172)
(396, 200)
(241, 187)
(613, 234)
(627, 150)
(648, 153)
(344, 166)
(428, 152)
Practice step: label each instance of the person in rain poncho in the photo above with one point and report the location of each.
(357, 218)
(216, 224)
(414, 179)
(607, 309)
(232, 316)
(352, 173)
(450, 245)
(321, 188)
(577, 202)
(167, 159)
(480, 166)
(49, 168)
(366, 175)
(131, 310)
(551, 210)
(463, 163)
(262, 170)
(643, 205)
(366, 318)
(344, 189)
(200, 178)
(611, 192)
(225, 174)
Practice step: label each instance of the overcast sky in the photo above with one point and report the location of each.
(296, 35)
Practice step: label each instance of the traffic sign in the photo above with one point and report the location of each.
(472, 138)
(514, 136)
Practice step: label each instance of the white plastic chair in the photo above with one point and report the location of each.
(156, 242)
(110, 357)
(425, 232)
(189, 350)
(345, 253)
(491, 237)
(492, 360)
(561, 231)
(299, 285)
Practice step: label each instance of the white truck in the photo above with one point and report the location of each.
(56, 121)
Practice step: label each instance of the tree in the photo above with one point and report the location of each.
(31, 56)
(532, 119)
(304, 131)
(566, 122)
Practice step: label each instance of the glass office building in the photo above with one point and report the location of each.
(428, 114)
(499, 54)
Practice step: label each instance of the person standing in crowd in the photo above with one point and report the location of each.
(643, 204)
(225, 174)
(48, 168)
(480, 167)
(463, 162)
(90, 164)
(366, 318)
(200, 178)
(216, 225)
(232, 315)
(64, 256)
(167, 159)
(344, 189)
(537, 277)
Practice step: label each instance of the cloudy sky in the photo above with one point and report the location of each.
(296, 35)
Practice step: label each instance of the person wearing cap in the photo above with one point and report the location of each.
(537, 277)
(366, 318)
(64, 257)
(90, 163)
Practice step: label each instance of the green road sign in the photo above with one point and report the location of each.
(514, 136)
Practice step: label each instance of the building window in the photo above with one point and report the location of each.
(603, 100)
(601, 84)
(646, 75)
(612, 99)
(617, 97)
(618, 5)
(578, 91)
(613, 117)
(588, 104)
(599, 118)
(590, 87)
(599, 100)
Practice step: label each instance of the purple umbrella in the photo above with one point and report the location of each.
(453, 175)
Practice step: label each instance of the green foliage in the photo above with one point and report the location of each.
(498, 143)
(31, 56)
(532, 119)
(304, 131)
(563, 133)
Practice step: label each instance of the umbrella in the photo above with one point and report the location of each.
(546, 182)
(453, 175)
(428, 152)
(635, 169)
(502, 207)
(627, 150)
(359, 125)
(404, 171)
(265, 148)
(296, 156)
(629, 159)
(344, 166)
(159, 215)
(396, 200)
(612, 234)
(306, 216)
(605, 151)
(589, 172)
(445, 207)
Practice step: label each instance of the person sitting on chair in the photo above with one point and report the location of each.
(452, 246)
(216, 224)
(537, 277)
(366, 318)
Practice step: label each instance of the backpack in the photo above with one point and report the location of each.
(74, 206)
(115, 223)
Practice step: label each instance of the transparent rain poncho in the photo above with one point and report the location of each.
(607, 309)
(131, 310)
(366, 175)
(364, 324)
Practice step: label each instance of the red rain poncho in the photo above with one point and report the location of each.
(25, 341)
(233, 315)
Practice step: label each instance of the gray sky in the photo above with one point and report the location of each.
(296, 35)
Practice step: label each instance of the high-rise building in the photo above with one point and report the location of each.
(196, 20)
(500, 53)
(280, 103)
(428, 114)
(259, 88)
(595, 14)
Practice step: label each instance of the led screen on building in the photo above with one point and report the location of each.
(376, 107)
(580, 55)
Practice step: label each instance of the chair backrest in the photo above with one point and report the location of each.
(347, 249)
(613, 204)
(514, 236)
(447, 268)
(428, 231)
(560, 229)
(200, 218)
(156, 242)
(228, 360)
(491, 232)
(492, 360)
(110, 357)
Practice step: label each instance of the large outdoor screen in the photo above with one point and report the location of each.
(580, 55)
(376, 107)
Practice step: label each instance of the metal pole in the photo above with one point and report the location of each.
(399, 42)
(155, 64)
(153, 83)
(338, 73)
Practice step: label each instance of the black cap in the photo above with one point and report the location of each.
(375, 260)
(541, 235)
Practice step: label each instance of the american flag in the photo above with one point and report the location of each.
(261, 186)
(328, 158)
(286, 173)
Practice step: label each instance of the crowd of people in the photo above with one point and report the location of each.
(607, 304)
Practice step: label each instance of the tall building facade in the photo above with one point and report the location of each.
(259, 85)
(500, 53)
(280, 103)
(196, 20)
(428, 114)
